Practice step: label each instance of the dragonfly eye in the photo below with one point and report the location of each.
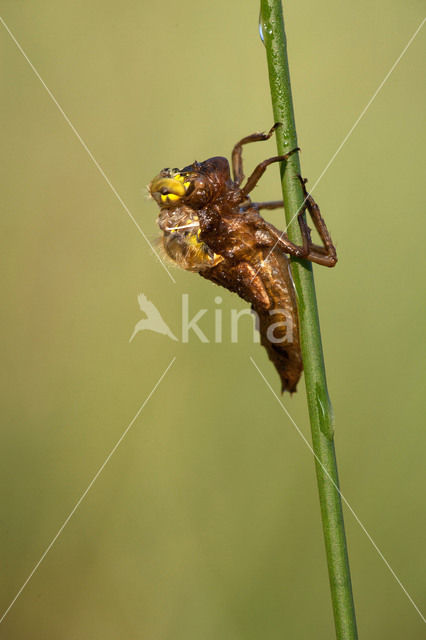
(169, 189)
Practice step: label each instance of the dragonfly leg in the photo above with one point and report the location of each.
(273, 204)
(237, 152)
(261, 168)
(325, 254)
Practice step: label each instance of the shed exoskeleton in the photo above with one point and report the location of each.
(211, 226)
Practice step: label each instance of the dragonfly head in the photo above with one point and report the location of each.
(169, 187)
(196, 185)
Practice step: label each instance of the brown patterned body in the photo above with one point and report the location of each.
(260, 274)
(210, 226)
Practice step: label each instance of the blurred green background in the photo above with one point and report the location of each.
(205, 523)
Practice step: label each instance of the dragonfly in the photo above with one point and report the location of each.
(211, 226)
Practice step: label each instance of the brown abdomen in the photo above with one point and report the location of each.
(267, 285)
(279, 325)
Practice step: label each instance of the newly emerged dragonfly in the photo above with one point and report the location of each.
(211, 226)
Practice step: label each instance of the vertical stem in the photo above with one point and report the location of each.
(320, 410)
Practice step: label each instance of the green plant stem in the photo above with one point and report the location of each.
(320, 410)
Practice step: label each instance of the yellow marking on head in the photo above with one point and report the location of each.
(181, 178)
(169, 197)
(171, 185)
(168, 190)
